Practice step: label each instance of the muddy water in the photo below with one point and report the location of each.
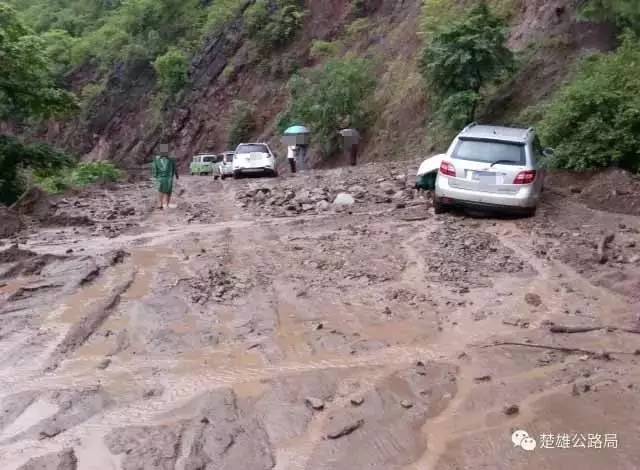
(228, 329)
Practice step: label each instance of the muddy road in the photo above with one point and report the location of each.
(259, 326)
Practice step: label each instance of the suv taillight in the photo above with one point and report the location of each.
(447, 169)
(525, 177)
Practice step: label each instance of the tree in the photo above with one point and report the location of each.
(274, 22)
(172, 69)
(339, 94)
(462, 59)
(27, 88)
(242, 124)
(594, 121)
(625, 13)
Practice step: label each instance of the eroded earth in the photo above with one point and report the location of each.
(259, 326)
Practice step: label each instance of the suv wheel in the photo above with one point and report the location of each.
(438, 207)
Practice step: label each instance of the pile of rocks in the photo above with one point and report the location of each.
(216, 285)
(335, 195)
(467, 257)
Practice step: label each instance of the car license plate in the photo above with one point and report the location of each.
(488, 177)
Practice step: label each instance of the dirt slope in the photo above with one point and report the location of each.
(257, 325)
(121, 125)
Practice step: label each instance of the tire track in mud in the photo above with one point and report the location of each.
(181, 391)
(81, 331)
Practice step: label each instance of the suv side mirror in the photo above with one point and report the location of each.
(548, 152)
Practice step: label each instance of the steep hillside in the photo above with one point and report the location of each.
(124, 125)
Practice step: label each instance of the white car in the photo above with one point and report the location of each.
(225, 167)
(254, 159)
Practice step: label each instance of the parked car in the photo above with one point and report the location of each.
(203, 164)
(225, 164)
(254, 159)
(494, 168)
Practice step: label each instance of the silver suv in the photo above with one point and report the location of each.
(491, 167)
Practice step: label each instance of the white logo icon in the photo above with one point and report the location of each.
(520, 438)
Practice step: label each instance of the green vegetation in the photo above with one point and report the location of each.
(338, 95)
(242, 124)
(27, 87)
(172, 68)
(27, 92)
(110, 31)
(17, 157)
(625, 13)
(80, 176)
(358, 26)
(461, 59)
(320, 49)
(273, 23)
(594, 121)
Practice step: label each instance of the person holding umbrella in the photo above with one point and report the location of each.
(297, 140)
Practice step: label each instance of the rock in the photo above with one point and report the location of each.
(344, 199)
(387, 188)
(345, 430)
(260, 196)
(511, 410)
(307, 207)
(634, 259)
(406, 404)
(357, 401)
(602, 247)
(387, 311)
(323, 205)
(575, 189)
(10, 222)
(401, 205)
(358, 191)
(152, 392)
(483, 378)
(314, 403)
(104, 364)
(533, 299)
(35, 203)
(63, 460)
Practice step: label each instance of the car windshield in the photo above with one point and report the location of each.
(252, 148)
(228, 158)
(490, 151)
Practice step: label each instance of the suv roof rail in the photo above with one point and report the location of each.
(469, 126)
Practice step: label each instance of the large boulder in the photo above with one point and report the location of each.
(35, 203)
(344, 199)
(10, 222)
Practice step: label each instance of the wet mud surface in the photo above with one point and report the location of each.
(258, 325)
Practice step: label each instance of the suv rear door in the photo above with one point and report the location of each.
(486, 165)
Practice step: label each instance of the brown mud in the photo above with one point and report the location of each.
(259, 326)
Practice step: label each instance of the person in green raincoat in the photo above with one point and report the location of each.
(164, 169)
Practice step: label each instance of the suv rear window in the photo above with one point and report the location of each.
(209, 159)
(490, 151)
(228, 157)
(252, 148)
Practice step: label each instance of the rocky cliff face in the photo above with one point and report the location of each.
(121, 125)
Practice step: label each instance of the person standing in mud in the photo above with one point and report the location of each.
(164, 170)
(351, 142)
(292, 151)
